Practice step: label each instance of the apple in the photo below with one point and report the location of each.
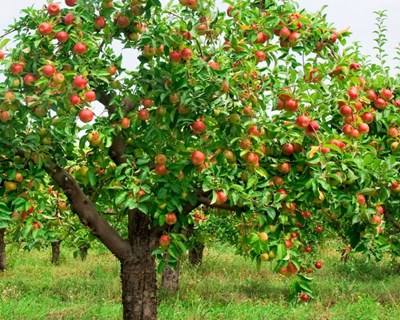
(261, 37)
(29, 79)
(2, 55)
(198, 127)
(291, 105)
(160, 159)
(304, 296)
(318, 264)
(254, 131)
(175, 56)
(264, 256)
(303, 121)
(313, 127)
(371, 95)
(147, 102)
(94, 139)
(308, 249)
(380, 210)
(10, 186)
(186, 54)
(353, 93)
(386, 94)
(53, 9)
(263, 236)
(376, 219)
(252, 159)
(346, 110)
(306, 214)
(294, 37)
(48, 70)
(79, 48)
(125, 123)
(221, 197)
(69, 19)
(287, 149)
(161, 169)
(86, 115)
(122, 22)
(355, 66)
(90, 96)
(144, 114)
(361, 199)
(363, 128)
(165, 241)
(71, 3)
(288, 243)
(100, 22)
(214, 65)
(284, 168)
(75, 99)
(198, 158)
(393, 132)
(62, 36)
(367, 117)
(17, 68)
(319, 229)
(380, 103)
(260, 56)
(334, 36)
(284, 33)
(170, 218)
(80, 82)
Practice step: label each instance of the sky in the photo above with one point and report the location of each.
(358, 15)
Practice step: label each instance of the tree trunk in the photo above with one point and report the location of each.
(55, 252)
(2, 250)
(196, 254)
(83, 252)
(138, 273)
(170, 279)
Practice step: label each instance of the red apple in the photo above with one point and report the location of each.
(79, 48)
(198, 127)
(221, 197)
(100, 22)
(170, 218)
(165, 241)
(80, 82)
(198, 158)
(186, 54)
(62, 36)
(75, 99)
(71, 3)
(53, 9)
(90, 96)
(48, 70)
(175, 56)
(125, 123)
(69, 19)
(86, 115)
(144, 114)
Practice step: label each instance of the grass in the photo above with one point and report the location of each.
(224, 287)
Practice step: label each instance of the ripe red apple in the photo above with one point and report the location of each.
(254, 131)
(260, 56)
(252, 159)
(53, 9)
(355, 66)
(175, 56)
(186, 54)
(62, 36)
(393, 132)
(198, 127)
(79, 48)
(48, 70)
(288, 149)
(380, 210)
(2, 55)
(90, 96)
(29, 79)
(313, 127)
(122, 22)
(346, 110)
(165, 241)
(288, 243)
(325, 150)
(304, 297)
(334, 36)
(363, 128)
(17, 68)
(306, 214)
(125, 123)
(318, 264)
(5, 116)
(214, 65)
(380, 103)
(75, 99)
(284, 33)
(308, 249)
(198, 158)
(80, 82)
(45, 28)
(291, 105)
(71, 3)
(371, 95)
(160, 159)
(355, 133)
(367, 117)
(261, 37)
(86, 115)
(284, 168)
(319, 229)
(221, 197)
(361, 199)
(144, 114)
(353, 93)
(161, 169)
(303, 121)
(100, 22)
(386, 94)
(294, 37)
(347, 129)
(69, 19)
(376, 219)
(170, 218)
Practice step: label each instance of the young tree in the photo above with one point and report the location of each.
(235, 111)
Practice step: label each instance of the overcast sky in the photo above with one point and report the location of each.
(358, 15)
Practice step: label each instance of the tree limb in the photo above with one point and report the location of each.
(87, 212)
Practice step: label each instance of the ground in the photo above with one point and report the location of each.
(224, 287)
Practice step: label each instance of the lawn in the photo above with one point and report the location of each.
(224, 287)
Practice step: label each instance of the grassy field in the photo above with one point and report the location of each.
(224, 287)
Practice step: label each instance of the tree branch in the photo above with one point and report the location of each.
(87, 212)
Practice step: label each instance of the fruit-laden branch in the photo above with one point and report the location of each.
(88, 213)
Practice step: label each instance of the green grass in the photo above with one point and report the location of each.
(224, 287)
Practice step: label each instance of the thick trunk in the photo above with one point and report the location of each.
(83, 252)
(2, 250)
(55, 252)
(138, 273)
(170, 279)
(196, 254)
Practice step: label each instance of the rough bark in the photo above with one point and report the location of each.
(138, 273)
(2, 250)
(196, 254)
(170, 279)
(55, 252)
